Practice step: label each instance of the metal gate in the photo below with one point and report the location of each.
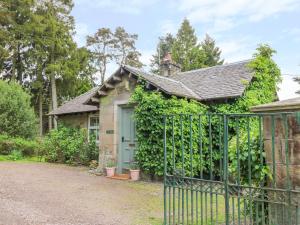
(232, 169)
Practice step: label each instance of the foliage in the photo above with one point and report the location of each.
(108, 46)
(111, 163)
(69, 145)
(26, 147)
(37, 50)
(148, 114)
(17, 117)
(15, 155)
(261, 90)
(212, 53)
(246, 145)
(164, 46)
(184, 44)
(186, 51)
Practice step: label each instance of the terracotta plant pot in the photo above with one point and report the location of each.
(110, 171)
(135, 175)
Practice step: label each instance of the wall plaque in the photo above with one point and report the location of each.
(109, 131)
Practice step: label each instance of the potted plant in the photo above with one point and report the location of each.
(134, 171)
(110, 168)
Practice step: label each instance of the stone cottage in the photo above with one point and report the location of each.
(105, 109)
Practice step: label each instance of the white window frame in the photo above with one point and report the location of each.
(94, 127)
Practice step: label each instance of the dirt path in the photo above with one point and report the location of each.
(41, 193)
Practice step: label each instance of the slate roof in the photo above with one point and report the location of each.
(166, 84)
(284, 105)
(217, 82)
(77, 105)
(212, 83)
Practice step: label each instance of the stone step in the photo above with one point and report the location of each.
(120, 177)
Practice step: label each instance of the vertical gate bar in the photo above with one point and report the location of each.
(197, 216)
(238, 168)
(205, 204)
(233, 211)
(210, 165)
(274, 166)
(261, 165)
(178, 208)
(245, 211)
(201, 168)
(273, 149)
(226, 169)
(220, 146)
(286, 136)
(217, 216)
(165, 171)
(182, 161)
(187, 204)
(249, 168)
(192, 174)
(169, 205)
(174, 169)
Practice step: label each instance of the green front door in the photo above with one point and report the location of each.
(127, 139)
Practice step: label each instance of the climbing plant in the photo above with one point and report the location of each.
(151, 107)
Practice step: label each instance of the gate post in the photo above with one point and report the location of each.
(281, 137)
(226, 169)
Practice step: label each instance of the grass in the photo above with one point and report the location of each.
(8, 158)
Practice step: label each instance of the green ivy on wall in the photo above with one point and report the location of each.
(152, 105)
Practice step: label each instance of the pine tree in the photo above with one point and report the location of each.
(15, 20)
(185, 50)
(212, 53)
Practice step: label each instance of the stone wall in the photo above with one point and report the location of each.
(284, 156)
(74, 120)
(109, 130)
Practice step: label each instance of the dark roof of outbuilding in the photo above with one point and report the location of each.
(283, 105)
(223, 81)
(212, 83)
(77, 105)
(166, 84)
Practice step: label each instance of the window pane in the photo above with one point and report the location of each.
(94, 121)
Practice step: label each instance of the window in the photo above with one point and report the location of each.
(94, 127)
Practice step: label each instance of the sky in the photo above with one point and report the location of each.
(238, 26)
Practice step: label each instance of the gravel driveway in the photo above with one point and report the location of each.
(42, 193)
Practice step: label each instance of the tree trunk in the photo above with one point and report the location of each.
(54, 98)
(50, 117)
(41, 113)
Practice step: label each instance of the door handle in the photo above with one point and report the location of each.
(123, 139)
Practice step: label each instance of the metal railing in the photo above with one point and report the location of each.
(231, 169)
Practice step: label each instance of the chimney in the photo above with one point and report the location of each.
(168, 67)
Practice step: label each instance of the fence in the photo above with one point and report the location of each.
(231, 169)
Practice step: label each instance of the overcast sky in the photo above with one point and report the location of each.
(237, 25)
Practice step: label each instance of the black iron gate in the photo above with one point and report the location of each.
(232, 169)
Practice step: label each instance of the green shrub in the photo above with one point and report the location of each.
(69, 145)
(15, 155)
(17, 118)
(26, 147)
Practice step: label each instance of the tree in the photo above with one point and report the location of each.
(126, 50)
(15, 20)
(103, 47)
(184, 44)
(164, 46)
(212, 53)
(118, 46)
(57, 43)
(17, 117)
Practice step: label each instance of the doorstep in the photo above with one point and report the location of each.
(120, 177)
